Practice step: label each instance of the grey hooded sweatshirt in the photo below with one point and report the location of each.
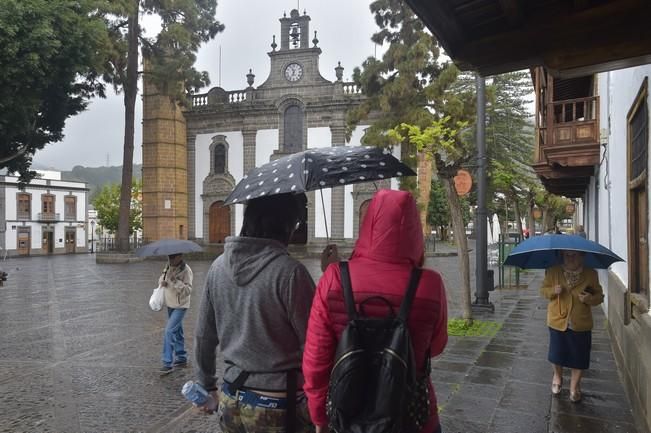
(255, 306)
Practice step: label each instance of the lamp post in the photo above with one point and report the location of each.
(92, 236)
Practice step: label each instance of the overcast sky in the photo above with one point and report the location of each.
(344, 28)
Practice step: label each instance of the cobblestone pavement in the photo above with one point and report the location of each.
(81, 349)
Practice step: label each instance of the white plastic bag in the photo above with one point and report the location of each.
(157, 299)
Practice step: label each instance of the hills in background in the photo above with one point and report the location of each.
(97, 177)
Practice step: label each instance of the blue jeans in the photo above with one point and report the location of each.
(173, 341)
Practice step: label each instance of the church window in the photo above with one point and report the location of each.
(293, 129)
(220, 159)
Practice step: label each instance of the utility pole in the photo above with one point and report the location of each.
(481, 249)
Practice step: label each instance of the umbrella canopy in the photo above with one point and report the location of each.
(541, 252)
(318, 168)
(166, 247)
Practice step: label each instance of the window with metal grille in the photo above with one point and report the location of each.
(293, 129)
(220, 159)
(70, 208)
(47, 203)
(638, 197)
(24, 206)
(639, 140)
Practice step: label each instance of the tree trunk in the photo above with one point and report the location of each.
(547, 220)
(531, 222)
(462, 245)
(518, 219)
(424, 189)
(130, 93)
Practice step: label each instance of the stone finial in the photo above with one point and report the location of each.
(315, 40)
(339, 71)
(274, 45)
(250, 77)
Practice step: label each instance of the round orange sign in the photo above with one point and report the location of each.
(463, 182)
(570, 208)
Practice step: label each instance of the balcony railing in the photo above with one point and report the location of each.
(48, 216)
(24, 215)
(574, 121)
(570, 136)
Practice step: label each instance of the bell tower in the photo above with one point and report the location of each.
(294, 31)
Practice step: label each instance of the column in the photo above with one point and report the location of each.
(337, 201)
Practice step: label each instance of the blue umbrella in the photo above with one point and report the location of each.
(542, 252)
(166, 247)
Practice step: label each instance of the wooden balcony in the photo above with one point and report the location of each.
(568, 145)
(574, 140)
(48, 217)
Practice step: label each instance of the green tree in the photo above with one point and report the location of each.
(51, 56)
(423, 103)
(170, 56)
(438, 213)
(510, 141)
(107, 205)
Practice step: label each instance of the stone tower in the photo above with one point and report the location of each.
(164, 167)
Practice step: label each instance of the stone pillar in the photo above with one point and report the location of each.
(337, 202)
(248, 136)
(164, 167)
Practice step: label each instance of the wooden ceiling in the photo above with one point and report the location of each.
(569, 37)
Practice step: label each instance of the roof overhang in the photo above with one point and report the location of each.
(569, 38)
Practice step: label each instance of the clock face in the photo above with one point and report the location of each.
(293, 72)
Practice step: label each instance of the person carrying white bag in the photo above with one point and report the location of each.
(175, 287)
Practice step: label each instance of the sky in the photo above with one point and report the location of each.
(95, 137)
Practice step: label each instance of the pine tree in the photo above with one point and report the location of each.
(170, 56)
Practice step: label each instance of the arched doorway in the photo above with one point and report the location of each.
(220, 222)
(362, 212)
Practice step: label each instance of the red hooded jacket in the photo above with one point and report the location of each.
(390, 244)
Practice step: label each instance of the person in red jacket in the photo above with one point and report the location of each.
(390, 244)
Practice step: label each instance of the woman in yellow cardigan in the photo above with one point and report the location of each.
(572, 291)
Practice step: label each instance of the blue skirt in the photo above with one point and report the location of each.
(570, 348)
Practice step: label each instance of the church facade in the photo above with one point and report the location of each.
(193, 158)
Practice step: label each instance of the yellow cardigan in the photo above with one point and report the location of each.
(569, 307)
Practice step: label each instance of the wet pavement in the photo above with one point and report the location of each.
(80, 353)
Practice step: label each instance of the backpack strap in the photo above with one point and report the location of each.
(349, 299)
(405, 306)
(290, 412)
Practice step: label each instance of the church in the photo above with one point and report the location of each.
(193, 157)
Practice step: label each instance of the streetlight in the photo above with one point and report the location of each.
(92, 236)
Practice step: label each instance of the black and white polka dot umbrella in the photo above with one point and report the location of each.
(314, 169)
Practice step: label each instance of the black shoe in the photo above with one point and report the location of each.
(180, 364)
(164, 370)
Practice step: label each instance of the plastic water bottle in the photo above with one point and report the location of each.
(198, 395)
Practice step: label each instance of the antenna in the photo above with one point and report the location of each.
(220, 66)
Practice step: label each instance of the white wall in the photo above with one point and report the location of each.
(60, 189)
(617, 90)
(321, 137)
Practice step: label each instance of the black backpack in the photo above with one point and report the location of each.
(373, 386)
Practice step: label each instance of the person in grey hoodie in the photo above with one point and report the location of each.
(255, 307)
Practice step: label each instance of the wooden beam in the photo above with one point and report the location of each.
(440, 21)
(511, 11)
(617, 30)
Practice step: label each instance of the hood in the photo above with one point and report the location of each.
(391, 230)
(245, 258)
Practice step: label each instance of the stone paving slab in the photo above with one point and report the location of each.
(81, 352)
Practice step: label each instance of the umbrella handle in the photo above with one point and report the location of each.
(325, 220)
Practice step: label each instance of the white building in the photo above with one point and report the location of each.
(47, 217)
(617, 216)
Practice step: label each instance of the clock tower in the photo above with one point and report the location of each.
(295, 63)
